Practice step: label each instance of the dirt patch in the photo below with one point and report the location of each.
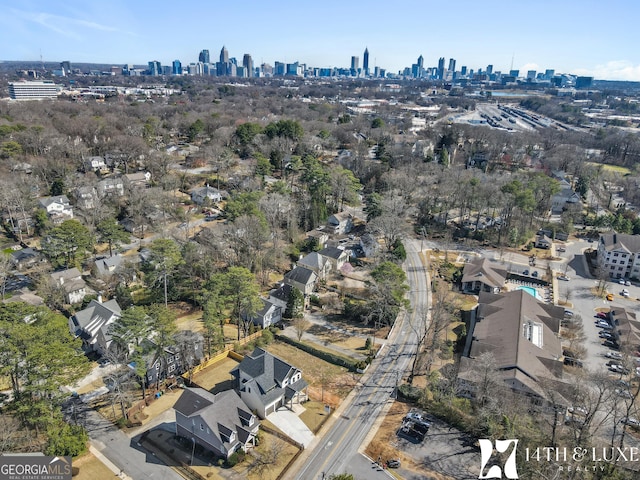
(91, 468)
(336, 380)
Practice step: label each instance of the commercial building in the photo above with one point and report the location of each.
(33, 90)
(619, 255)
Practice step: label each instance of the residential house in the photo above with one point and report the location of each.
(303, 279)
(220, 423)
(369, 245)
(481, 275)
(337, 257)
(107, 266)
(319, 235)
(317, 263)
(619, 255)
(173, 360)
(137, 180)
(522, 334)
(26, 258)
(86, 197)
(269, 314)
(280, 296)
(207, 193)
(111, 186)
(92, 325)
(266, 383)
(93, 164)
(565, 196)
(58, 208)
(542, 241)
(340, 223)
(74, 286)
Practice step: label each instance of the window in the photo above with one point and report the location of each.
(157, 366)
(172, 368)
(615, 254)
(170, 360)
(201, 427)
(619, 268)
(615, 261)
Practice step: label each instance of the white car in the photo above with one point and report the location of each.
(625, 292)
(627, 283)
(621, 281)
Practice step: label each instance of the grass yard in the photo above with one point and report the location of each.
(338, 380)
(610, 168)
(190, 321)
(272, 472)
(314, 415)
(91, 468)
(216, 377)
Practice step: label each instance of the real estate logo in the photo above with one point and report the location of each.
(27, 467)
(496, 471)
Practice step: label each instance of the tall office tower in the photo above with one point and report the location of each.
(376, 72)
(155, 68)
(463, 70)
(584, 82)
(279, 69)
(224, 55)
(204, 56)
(247, 63)
(365, 61)
(514, 73)
(177, 68)
(66, 66)
(355, 62)
(441, 68)
(267, 70)
(489, 69)
(531, 74)
(452, 65)
(549, 73)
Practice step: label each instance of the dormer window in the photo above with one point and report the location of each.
(251, 420)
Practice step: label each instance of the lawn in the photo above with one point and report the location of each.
(216, 377)
(314, 415)
(337, 379)
(91, 468)
(610, 168)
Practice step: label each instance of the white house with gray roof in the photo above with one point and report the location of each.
(303, 279)
(220, 423)
(317, 263)
(72, 283)
(619, 255)
(91, 325)
(58, 208)
(266, 382)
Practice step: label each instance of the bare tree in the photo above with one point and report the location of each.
(268, 457)
(300, 325)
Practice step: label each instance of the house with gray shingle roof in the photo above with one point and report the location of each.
(481, 275)
(303, 279)
(522, 334)
(337, 257)
(92, 325)
(266, 382)
(220, 423)
(317, 263)
(72, 283)
(58, 208)
(269, 314)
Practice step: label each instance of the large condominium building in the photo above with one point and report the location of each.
(619, 255)
(33, 90)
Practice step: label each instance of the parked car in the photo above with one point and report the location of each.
(526, 272)
(561, 249)
(611, 344)
(631, 422)
(534, 274)
(621, 281)
(617, 355)
(625, 292)
(577, 410)
(623, 392)
(603, 324)
(602, 315)
(573, 362)
(568, 313)
(563, 278)
(610, 297)
(627, 283)
(394, 463)
(604, 334)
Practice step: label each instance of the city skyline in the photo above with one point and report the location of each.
(578, 38)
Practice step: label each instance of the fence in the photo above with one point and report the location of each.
(227, 351)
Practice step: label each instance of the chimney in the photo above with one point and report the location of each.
(99, 298)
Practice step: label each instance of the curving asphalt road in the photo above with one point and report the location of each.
(337, 451)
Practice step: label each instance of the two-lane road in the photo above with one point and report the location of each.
(337, 452)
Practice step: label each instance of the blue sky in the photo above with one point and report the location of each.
(586, 37)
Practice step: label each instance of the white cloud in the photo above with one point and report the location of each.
(66, 26)
(614, 70)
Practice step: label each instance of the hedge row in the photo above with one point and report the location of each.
(326, 356)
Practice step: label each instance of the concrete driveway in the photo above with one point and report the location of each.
(290, 423)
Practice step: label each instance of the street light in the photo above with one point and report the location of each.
(193, 449)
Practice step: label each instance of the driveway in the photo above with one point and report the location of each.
(290, 424)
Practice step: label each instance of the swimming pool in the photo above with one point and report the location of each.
(531, 291)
